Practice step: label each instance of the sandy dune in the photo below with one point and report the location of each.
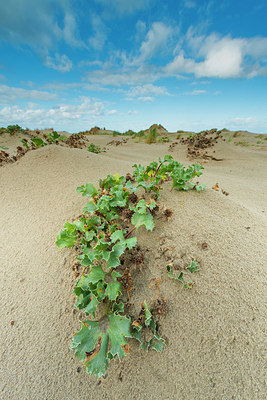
(215, 332)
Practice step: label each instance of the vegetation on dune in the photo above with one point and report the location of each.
(242, 143)
(151, 137)
(12, 129)
(103, 238)
(95, 149)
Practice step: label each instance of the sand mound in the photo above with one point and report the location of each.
(159, 129)
(214, 332)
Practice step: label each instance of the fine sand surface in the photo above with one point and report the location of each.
(215, 332)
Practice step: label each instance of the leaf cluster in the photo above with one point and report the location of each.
(192, 267)
(152, 176)
(95, 149)
(12, 129)
(102, 238)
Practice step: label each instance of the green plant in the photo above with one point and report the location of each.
(38, 142)
(164, 139)
(4, 148)
(258, 142)
(129, 133)
(25, 143)
(242, 143)
(12, 129)
(103, 237)
(53, 137)
(236, 134)
(116, 133)
(230, 139)
(95, 149)
(139, 134)
(152, 136)
(192, 267)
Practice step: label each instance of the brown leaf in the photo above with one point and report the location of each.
(126, 348)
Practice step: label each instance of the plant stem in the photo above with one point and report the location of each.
(128, 233)
(157, 170)
(107, 308)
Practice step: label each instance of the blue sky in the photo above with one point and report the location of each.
(125, 64)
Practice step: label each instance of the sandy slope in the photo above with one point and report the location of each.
(215, 332)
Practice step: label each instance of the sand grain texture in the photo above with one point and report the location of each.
(215, 332)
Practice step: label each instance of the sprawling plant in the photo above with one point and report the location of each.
(103, 237)
(95, 149)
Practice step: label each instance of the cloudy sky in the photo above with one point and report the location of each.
(121, 64)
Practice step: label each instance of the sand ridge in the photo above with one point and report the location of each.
(215, 332)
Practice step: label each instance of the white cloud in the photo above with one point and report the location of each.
(98, 39)
(38, 25)
(61, 62)
(112, 112)
(147, 99)
(123, 76)
(9, 94)
(74, 86)
(90, 63)
(58, 116)
(147, 89)
(155, 42)
(220, 57)
(70, 31)
(140, 30)
(133, 112)
(196, 92)
(242, 121)
(223, 60)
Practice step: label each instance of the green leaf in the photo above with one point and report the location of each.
(118, 307)
(113, 289)
(98, 364)
(100, 290)
(91, 344)
(118, 235)
(131, 242)
(86, 339)
(38, 142)
(96, 274)
(114, 256)
(90, 207)
(118, 330)
(138, 335)
(89, 236)
(193, 267)
(79, 225)
(66, 238)
(199, 188)
(141, 206)
(158, 344)
(143, 219)
(148, 315)
(170, 274)
(91, 306)
(87, 190)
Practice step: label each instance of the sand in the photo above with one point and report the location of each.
(215, 332)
